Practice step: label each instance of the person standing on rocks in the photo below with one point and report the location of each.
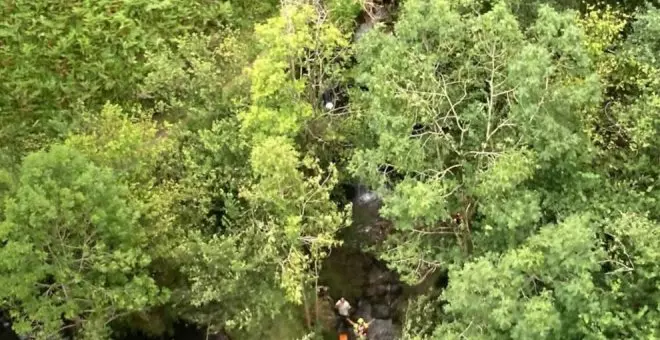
(344, 310)
(360, 328)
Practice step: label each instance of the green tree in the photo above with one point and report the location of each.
(530, 279)
(175, 160)
(541, 290)
(303, 54)
(624, 127)
(199, 78)
(562, 283)
(56, 54)
(285, 127)
(470, 115)
(214, 268)
(72, 256)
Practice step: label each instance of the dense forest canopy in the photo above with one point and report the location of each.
(205, 162)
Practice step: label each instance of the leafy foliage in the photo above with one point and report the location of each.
(166, 161)
(72, 247)
(476, 106)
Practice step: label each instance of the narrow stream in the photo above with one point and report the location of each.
(374, 291)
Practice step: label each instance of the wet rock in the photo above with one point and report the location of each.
(363, 310)
(6, 332)
(375, 291)
(381, 276)
(381, 311)
(366, 206)
(381, 290)
(382, 330)
(369, 226)
(375, 233)
(367, 199)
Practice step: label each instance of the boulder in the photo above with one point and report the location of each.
(363, 310)
(395, 289)
(381, 311)
(380, 276)
(376, 291)
(382, 330)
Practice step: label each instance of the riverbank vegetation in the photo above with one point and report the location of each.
(197, 161)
